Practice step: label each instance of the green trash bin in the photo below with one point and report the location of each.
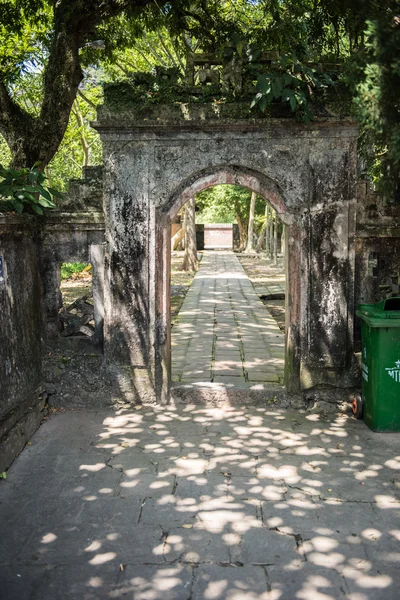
(380, 333)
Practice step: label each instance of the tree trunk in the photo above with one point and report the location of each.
(242, 228)
(268, 230)
(283, 241)
(271, 235)
(190, 262)
(250, 242)
(36, 139)
(177, 238)
(85, 146)
(276, 240)
(261, 237)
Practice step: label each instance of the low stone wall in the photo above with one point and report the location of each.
(31, 252)
(71, 237)
(218, 235)
(21, 328)
(377, 249)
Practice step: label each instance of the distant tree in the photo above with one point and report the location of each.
(230, 204)
(190, 261)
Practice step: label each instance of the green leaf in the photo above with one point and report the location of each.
(263, 83)
(44, 192)
(287, 79)
(284, 60)
(287, 93)
(263, 104)
(277, 87)
(56, 193)
(293, 103)
(37, 209)
(30, 197)
(3, 475)
(18, 206)
(269, 97)
(46, 203)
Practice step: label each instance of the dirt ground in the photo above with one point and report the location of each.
(80, 284)
(268, 280)
(180, 282)
(75, 287)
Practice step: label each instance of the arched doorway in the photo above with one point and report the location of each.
(308, 173)
(268, 189)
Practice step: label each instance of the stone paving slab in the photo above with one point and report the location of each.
(222, 314)
(193, 502)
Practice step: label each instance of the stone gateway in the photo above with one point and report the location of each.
(155, 162)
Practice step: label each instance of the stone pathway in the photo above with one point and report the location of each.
(200, 503)
(223, 333)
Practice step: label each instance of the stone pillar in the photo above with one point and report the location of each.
(129, 298)
(327, 355)
(293, 242)
(96, 254)
(52, 297)
(268, 212)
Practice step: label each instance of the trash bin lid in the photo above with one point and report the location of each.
(377, 315)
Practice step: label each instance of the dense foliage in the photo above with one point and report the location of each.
(68, 270)
(374, 78)
(25, 190)
(54, 56)
(226, 204)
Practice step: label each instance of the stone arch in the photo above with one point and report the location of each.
(228, 174)
(271, 191)
(308, 173)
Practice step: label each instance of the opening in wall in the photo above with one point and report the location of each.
(76, 314)
(229, 326)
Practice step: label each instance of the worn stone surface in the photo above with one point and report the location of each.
(377, 249)
(196, 503)
(223, 333)
(21, 335)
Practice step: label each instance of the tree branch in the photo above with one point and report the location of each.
(74, 22)
(15, 122)
(86, 99)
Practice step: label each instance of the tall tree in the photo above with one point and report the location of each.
(66, 33)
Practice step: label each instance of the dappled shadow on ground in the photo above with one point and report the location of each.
(195, 502)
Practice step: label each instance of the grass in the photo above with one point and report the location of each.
(70, 269)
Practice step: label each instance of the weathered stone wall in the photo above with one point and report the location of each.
(20, 336)
(74, 233)
(31, 252)
(377, 248)
(66, 237)
(155, 162)
(218, 235)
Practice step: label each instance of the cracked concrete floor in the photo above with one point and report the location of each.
(192, 503)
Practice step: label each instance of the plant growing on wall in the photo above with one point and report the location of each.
(292, 82)
(25, 190)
